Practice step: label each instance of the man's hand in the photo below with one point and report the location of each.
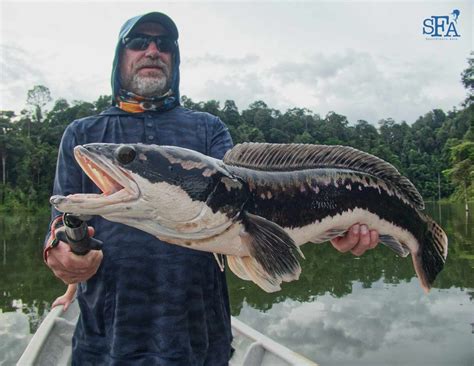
(357, 240)
(65, 299)
(72, 268)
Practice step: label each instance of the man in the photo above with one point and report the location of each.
(143, 301)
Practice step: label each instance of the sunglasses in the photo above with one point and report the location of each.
(140, 42)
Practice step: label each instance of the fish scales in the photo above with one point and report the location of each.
(291, 207)
(259, 204)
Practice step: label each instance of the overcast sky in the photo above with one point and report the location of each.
(363, 59)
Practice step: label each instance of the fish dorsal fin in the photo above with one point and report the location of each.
(289, 157)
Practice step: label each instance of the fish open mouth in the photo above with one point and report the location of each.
(115, 183)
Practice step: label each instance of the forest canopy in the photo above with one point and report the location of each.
(436, 151)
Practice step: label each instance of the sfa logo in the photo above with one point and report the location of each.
(442, 26)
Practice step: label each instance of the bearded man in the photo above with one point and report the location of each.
(143, 301)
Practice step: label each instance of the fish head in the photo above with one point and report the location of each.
(160, 189)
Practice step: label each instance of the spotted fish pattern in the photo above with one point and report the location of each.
(260, 203)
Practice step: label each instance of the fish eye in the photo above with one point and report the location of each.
(125, 154)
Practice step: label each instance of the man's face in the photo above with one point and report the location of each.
(148, 72)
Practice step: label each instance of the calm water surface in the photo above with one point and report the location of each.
(343, 310)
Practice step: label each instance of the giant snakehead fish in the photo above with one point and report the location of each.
(258, 204)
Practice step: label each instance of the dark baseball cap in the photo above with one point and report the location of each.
(154, 17)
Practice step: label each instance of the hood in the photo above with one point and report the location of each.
(129, 25)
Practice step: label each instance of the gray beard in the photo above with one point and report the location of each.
(147, 86)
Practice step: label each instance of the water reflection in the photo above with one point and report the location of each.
(14, 336)
(342, 310)
(386, 324)
(26, 285)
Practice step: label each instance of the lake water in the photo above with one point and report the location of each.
(343, 310)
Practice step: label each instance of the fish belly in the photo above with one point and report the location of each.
(337, 225)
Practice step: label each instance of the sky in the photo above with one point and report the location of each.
(366, 60)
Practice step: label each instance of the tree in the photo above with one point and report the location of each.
(212, 107)
(462, 172)
(365, 136)
(246, 133)
(188, 102)
(5, 128)
(334, 129)
(294, 122)
(249, 114)
(467, 78)
(277, 136)
(103, 103)
(230, 113)
(37, 98)
(304, 138)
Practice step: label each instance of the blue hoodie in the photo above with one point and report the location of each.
(125, 31)
(150, 302)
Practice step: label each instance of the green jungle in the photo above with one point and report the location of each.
(436, 152)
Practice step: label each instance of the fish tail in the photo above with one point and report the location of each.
(430, 258)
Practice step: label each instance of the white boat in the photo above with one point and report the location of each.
(51, 344)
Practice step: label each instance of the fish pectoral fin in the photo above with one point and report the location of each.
(235, 264)
(394, 244)
(272, 253)
(255, 272)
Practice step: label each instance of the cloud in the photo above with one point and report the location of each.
(15, 64)
(357, 84)
(316, 68)
(242, 87)
(368, 86)
(373, 326)
(18, 75)
(215, 59)
(22, 69)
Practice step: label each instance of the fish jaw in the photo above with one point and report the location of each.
(117, 186)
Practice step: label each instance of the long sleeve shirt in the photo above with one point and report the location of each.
(150, 303)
